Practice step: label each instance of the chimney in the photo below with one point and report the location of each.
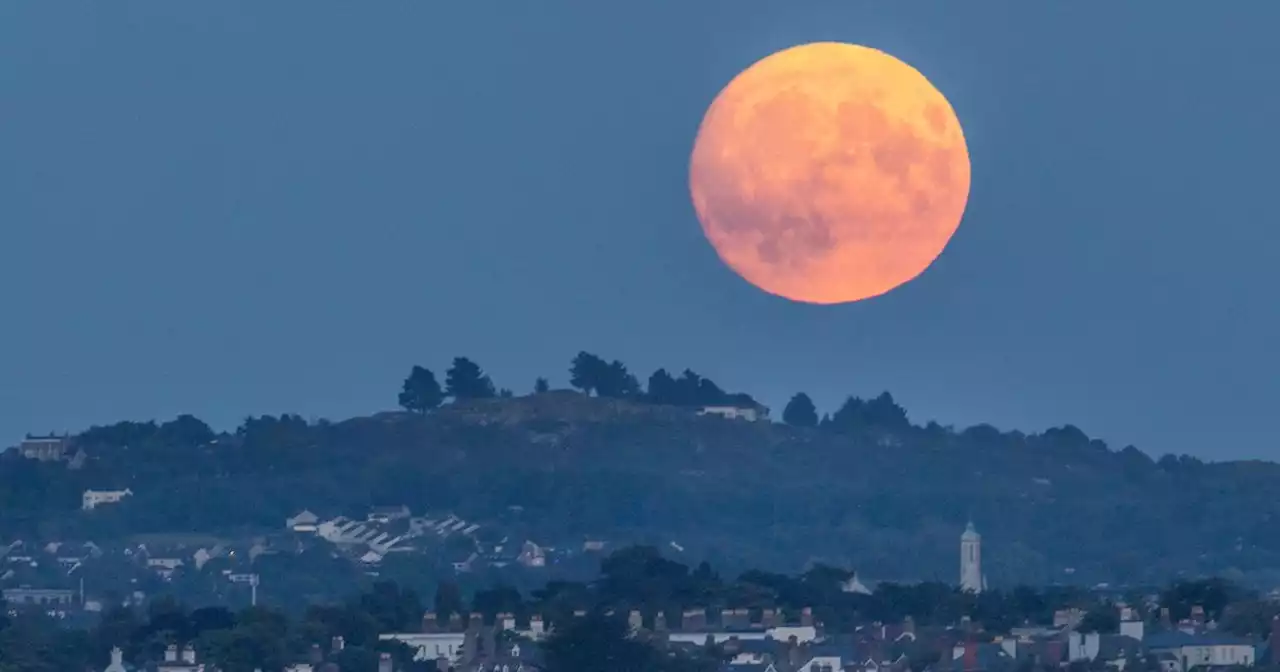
(455, 622)
(694, 620)
(188, 655)
(338, 644)
(384, 663)
(970, 655)
(1197, 615)
(726, 619)
(470, 646)
(741, 618)
(315, 656)
(1052, 653)
(909, 625)
(490, 643)
(769, 618)
(474, 621)
(117, 657)
(660, 622)
(1166, 621)
(536, 627)
(634, 620)
(806, 617)
(171, 653)
(507, 621)
(430, 623)
(442, 664)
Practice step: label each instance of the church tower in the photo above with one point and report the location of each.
(971, 560)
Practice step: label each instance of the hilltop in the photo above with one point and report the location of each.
(864, 490)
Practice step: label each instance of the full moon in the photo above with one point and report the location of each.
(828, 173)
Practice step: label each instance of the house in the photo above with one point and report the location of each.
(38, 596)
(531, 555)
(303, 522)
(752, 412)
(429, 646)
(95, 498)
(179, 661)
(1194, 650)
(50, 448)
(386, 514)
(165, 566)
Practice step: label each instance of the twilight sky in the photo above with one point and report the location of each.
(229, 207)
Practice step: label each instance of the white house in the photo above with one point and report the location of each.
(94, 498)
(303, 522)
(429, 646)
(750, 413)
(1210, 649)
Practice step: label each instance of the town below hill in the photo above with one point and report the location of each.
(471, 481)
(645, 612)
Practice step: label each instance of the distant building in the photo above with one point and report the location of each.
(531, 555)
(971, 560)
(303, 522)
(1203, 650)
(386, 514)
(49, 448)
(752, 412)
(39, 596)
(92, 499)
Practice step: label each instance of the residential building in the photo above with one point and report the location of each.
(92, 499)
(1209, 649)
(50, 448)
(750, 412)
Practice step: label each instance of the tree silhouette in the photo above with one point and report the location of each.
(421, 391)
(617, 382)
(800, 412)
(540, 386)
(586, 372)
(591, 374)
(466, 380)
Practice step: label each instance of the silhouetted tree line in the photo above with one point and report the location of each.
(632, 578)
(594, 375)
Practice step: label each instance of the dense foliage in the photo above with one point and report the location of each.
(862, 487)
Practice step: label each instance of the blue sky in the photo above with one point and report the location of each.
(243, 207)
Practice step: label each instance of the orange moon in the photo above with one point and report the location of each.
(828, 173)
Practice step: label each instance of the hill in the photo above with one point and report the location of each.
(886, 498)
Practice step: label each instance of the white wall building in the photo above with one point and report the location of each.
(94, 498)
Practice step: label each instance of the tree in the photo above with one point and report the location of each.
(186, 431)
(597, 642)
(541, 386)
(800, 412)
(662, 387)
(466, 380)
(617, 382)
(421, 391)
(1103, 618)
(448, 600)
(586, 372)
(592, 374)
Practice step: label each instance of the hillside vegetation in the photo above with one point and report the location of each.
(863, 490)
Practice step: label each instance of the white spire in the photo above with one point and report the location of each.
(971, 578)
